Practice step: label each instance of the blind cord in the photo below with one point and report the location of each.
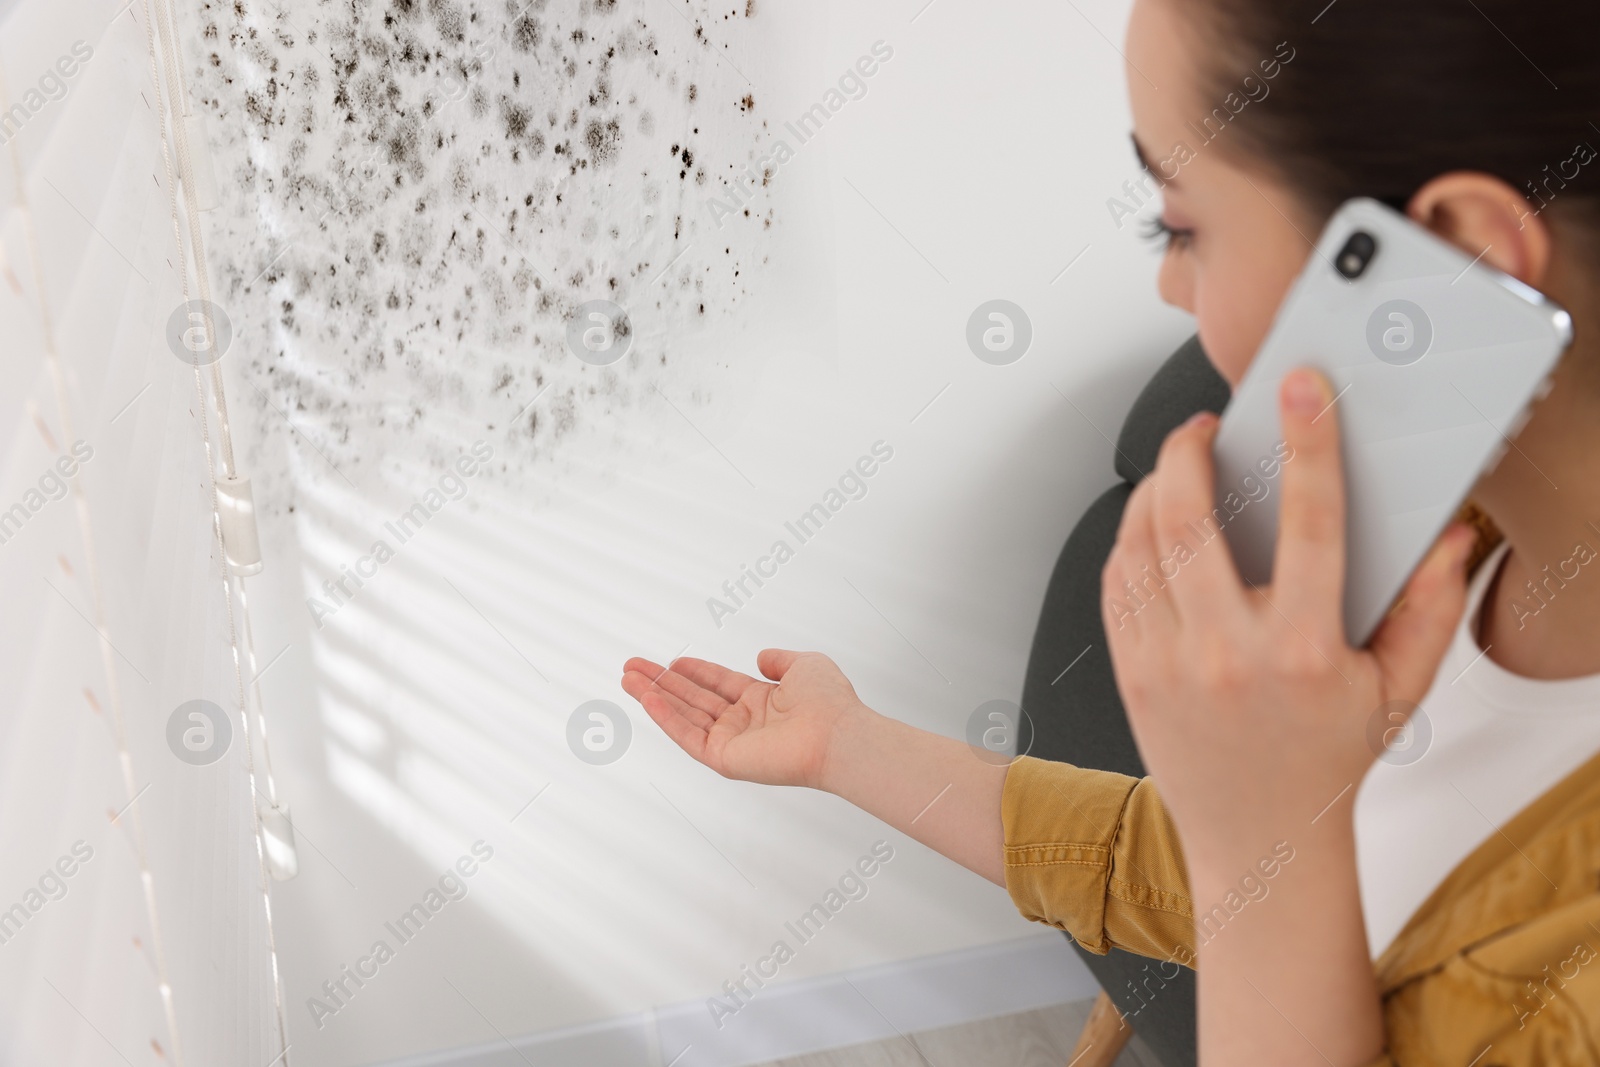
(162, 15)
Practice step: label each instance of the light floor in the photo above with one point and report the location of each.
(1042, 1038)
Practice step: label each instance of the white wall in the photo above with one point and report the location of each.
(427, 712)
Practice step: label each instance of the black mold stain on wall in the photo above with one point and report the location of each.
(418, 193)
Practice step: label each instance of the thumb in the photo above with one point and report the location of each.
(1413, 639)
(775, 662)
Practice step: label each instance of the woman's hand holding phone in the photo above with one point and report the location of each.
(1249, 707)
(1251, 711)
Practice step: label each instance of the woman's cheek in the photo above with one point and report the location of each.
(1175, 282)
(1229, 347)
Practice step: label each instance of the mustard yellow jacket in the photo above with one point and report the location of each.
(1499, 967)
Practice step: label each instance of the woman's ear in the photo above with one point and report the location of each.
(1481, 214)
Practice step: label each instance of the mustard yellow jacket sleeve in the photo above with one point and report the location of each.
(1095, 854)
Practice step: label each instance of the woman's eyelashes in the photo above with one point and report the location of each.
(1169, 238)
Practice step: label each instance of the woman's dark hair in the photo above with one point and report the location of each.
(1380, 96)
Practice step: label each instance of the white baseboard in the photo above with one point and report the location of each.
(795, 1018)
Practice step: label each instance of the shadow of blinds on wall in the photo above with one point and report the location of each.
(134, 905)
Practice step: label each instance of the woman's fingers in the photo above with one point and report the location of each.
(1126, 595)
(725, 683)
(1308, 570)
(659, 706)
(1192, 561)
(1413, 639)
(649, 668)
(774, 663)
(699, 707)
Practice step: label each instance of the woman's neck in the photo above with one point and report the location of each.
(1541, 615)
(1542, 620)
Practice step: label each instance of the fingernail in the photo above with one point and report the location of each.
(1303, 393)
(1199, 418)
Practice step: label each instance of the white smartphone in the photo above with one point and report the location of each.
(1434, 359)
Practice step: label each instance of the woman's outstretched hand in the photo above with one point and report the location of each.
(745, 728)
(807, 727)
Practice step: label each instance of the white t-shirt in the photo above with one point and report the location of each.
(1498, 742)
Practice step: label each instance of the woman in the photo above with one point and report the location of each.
(1472, 874)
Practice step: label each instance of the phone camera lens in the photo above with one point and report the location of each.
(1356, 255)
